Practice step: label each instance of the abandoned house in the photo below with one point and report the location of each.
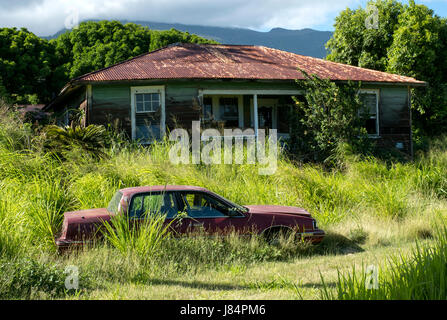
(226, 86)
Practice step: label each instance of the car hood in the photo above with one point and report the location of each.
(269, 209)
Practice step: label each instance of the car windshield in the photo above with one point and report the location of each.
(114, 204)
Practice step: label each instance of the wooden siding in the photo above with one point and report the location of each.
(182, 106)
(111, 105)
(394, 116)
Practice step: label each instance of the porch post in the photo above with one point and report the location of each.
(255, 113)
(163, 114)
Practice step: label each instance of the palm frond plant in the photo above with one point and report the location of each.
(91, 140)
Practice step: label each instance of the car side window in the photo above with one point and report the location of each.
(201, 205)
(151, 204)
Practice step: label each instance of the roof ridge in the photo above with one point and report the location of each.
(175, 44)
(341, 64)
(281, 56)
(123, 62)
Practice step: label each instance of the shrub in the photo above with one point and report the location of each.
(327, 117)
(90, 139)
(25, 278)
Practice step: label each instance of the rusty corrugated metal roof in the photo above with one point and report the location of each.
(205, 61)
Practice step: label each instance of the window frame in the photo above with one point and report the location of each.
(222, 107)
(151, 101)
(181, 202)
(205, 116)
(154, 193)
(147, 89)
(376, 92)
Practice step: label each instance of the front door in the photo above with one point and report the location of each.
(266, 114)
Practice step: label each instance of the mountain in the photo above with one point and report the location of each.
(307, 42)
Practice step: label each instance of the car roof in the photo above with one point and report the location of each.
(134, 190)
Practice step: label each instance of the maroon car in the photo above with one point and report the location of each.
(201, 209)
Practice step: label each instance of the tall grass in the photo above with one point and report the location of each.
(140, 237)
(418, 276)
(362, 201)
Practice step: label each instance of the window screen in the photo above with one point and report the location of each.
(207, 108)
(369, 112)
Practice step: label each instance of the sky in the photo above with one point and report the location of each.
(46, 17)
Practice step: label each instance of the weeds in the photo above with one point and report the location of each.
(418, 276)
(141, 237)
(367, 202)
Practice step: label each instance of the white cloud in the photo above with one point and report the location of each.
(45, 17)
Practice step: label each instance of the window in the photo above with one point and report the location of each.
(229, 111)
(147, 102)
(207, 109)
(114, 204)
(370, 112)
(150, 204)
(201, 205)
(148, 113)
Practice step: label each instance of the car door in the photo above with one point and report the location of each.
(209, 214)
(143, 204)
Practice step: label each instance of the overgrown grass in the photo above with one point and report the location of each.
(140, 237)
(420, 275)
(368, 203)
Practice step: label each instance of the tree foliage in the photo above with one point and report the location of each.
(326, 118)
(410, 40)
(33, 70)
(161, 39)
(26, 66)
(419, 50)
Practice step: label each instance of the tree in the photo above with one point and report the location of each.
(33, 70)
(355, 44)
(163, 38)
(26, 64)
(326, 118)
(95, 45)
(410, 40)
(419, 50)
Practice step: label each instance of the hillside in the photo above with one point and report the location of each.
(307, 42)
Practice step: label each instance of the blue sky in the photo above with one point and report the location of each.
(46, 17)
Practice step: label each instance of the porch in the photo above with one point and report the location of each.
(218, 109)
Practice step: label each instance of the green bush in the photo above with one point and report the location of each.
(26, 278)
(325, 119)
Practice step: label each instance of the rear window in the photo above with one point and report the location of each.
(115, 203)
